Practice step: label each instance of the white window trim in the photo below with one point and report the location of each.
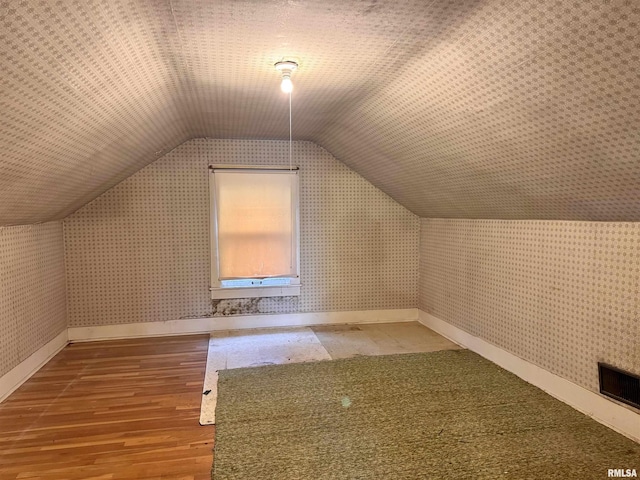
(217, 290)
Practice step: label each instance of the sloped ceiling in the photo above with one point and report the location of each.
(469, 109)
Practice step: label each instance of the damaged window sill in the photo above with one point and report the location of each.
(255, 291)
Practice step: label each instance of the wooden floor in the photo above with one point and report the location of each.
(130, 409)
(111, 410)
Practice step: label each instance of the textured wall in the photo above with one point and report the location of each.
(562, 295)
(140, 252)
(508, 109)
(32, 290)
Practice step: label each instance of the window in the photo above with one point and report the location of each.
(254, 232)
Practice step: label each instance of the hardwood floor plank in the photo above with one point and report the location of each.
(123, 409)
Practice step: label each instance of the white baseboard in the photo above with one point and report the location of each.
(615, 416)
(19, 374)
(238, 322)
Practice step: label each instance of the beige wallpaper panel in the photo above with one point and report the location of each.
(32, 290)
(563, 295)
(512, 109)
(140, 252)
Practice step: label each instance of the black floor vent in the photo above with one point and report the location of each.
(622, 386)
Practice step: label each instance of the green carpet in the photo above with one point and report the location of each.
(441, 415)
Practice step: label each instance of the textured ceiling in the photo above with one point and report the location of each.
(470, 109)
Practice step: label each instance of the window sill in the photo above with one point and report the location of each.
(252, 292)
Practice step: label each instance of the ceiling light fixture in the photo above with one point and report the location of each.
(286, 68)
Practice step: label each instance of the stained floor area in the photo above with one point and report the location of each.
(250, 348)
(343, 341)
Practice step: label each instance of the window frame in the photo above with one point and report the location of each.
(218, 290)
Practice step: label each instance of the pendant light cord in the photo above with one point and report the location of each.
(290, 136)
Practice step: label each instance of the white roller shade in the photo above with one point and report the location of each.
(255, 219)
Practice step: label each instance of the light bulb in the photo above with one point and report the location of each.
(287, 85)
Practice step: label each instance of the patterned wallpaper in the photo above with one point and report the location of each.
(140, 252)
(512, 109)
(523, 110)
(33, 306)
(563, 295)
